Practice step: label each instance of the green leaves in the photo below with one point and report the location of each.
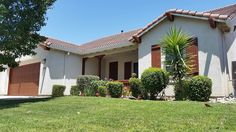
(20, 20)
(174, 45)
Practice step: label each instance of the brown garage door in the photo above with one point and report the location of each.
(24, 80)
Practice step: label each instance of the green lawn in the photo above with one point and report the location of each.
(106, 114)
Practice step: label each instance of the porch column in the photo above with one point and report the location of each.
(83, 65)
(100, 64)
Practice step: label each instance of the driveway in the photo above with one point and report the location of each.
(22, 97)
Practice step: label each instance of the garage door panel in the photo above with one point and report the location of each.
(24, 80)
(14, 89)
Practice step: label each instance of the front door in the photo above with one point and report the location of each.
(113, 70)
(128, 70)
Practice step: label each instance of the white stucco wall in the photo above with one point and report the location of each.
(60, 68)
(230, 48)
(129, 56)
(209, 41)
(4, 82)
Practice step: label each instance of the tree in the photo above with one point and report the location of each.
(20, 21)
(174, 45)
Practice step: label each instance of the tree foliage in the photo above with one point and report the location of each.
(174, 45)
(20, 21)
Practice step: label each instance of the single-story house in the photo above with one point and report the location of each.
(117, 56)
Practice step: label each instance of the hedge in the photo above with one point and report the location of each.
(58, 90)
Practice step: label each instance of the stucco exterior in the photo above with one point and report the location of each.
(63, 63)
(209, 44)
(229, 40)
(59, 68)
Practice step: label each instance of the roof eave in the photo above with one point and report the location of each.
(221, 19)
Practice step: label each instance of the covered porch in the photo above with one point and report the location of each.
(116, 64)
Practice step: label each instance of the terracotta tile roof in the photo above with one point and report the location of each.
(110, 41)
(228, 10)
(224, 13)
(61, 45)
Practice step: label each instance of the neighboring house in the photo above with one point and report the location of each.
(120, 55)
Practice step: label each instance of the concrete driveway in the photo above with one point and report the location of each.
(22, 97)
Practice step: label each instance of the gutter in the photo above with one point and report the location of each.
(196, 17)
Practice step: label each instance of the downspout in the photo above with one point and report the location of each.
(64, 70)
(226, 76)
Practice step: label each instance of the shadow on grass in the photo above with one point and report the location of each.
(6, 103)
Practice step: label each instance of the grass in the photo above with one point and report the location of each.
(106, 114)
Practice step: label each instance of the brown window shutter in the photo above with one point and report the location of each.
(193, 51)
(156, 56)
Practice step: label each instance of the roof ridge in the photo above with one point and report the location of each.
(217, 9)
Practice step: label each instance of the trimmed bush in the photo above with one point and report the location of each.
(154, 80)
(96, 84)
(58, 90)
(115, 89)
(74, 90)
(84, 84)
(135, 86)
(182, 94)
(200, 88)
(102, 90)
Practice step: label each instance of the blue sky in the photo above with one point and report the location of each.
(80, 21)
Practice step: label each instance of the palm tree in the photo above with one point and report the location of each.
(174, 45)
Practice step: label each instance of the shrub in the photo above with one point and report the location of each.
(74, 90)
(154, 80)
(102, 90)
(96, 84)
(115, 89)
(58, 90)
(135, 86)
(182, 94)
(200, 88)
(84, 84)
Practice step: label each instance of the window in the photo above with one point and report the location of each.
(234, 70)
(113, 70)
(135, 68)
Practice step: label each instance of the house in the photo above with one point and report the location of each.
(119, 55)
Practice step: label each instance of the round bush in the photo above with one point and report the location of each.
(154, 80)
(58, 90)
(96, 84)
(84, 84)
(115, 89)
(135, 86)
(74, 90)
(102, 90)
(200, 88)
